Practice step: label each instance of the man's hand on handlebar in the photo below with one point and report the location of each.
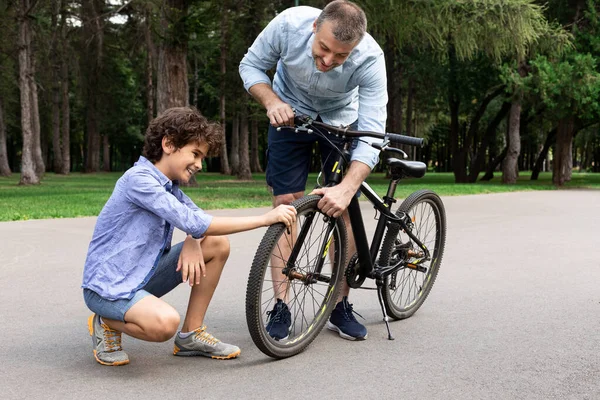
(280, 114)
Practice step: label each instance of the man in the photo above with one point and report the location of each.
(328, 67)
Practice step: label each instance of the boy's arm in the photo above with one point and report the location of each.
(226, 225)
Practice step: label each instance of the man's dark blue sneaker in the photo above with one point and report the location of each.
(280, 320)
(342, 321)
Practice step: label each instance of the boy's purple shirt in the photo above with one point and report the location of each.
(134, 228)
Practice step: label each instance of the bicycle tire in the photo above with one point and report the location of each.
(407, 289)
(305, 324)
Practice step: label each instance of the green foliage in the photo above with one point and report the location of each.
(569, 86)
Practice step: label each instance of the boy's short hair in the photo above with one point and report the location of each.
(182, 125)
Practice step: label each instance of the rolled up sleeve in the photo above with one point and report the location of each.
(263, 54)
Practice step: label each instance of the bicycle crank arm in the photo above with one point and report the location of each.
(308, 278)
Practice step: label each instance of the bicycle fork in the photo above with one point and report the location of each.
(311, 277)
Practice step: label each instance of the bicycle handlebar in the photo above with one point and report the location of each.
(304, 120)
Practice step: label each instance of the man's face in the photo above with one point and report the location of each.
(327, 51)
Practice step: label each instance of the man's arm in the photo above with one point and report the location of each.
(337, 198)
(279, 112)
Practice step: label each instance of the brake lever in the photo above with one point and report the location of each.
(297, 129)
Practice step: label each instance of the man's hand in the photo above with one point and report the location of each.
(280, 113)
(191, 261)
(335, 199)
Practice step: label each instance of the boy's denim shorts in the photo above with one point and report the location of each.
(165, 279)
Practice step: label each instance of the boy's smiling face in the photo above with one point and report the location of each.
(181, 164)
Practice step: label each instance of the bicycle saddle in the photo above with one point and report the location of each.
(415, 169)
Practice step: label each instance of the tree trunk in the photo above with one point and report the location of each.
(93, 34)
(562, 165)
(66, 117)
(225, 169)
(172, 80)
(38, 158)
(510, 167)
(489, 173)
(28, 172)
(409, 113)
(149, 68)
(478, 162)
(244, 166)
(172, 83)
(56, 148)
(535, 172)
(196, 84)
(234, 155)
(105, 153)
(254, 156)
(4, 167)
(459, 162)
(394, 80)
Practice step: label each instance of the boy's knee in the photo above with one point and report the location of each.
(165, 327)
(221, 245)
(224, 246)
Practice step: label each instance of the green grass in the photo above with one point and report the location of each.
(79, 195)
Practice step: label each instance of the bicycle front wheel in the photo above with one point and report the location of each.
(304, 267)
(406, 289)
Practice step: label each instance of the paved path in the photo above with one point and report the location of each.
(514, 314)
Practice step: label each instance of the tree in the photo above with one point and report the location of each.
(93, 36)
(172, 76)
(29, 173)
(570, 88)
(4, 167)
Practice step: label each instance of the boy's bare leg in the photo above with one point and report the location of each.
(153, 320)
(216, 252)
(150, 319)
(283, 250)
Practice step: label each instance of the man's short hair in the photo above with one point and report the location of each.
(181, 125)
(349, 20)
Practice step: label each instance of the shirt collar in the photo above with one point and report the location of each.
(162, 178)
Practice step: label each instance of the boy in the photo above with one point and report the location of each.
(130, 262)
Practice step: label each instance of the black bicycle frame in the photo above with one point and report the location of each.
(384, 205)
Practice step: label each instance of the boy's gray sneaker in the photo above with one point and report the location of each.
(106, 343)
(202, 343)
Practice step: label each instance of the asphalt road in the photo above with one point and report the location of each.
(514, 314)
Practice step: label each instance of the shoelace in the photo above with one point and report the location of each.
(206, 337)
(112, 339)
(349, 314)
(277, 315)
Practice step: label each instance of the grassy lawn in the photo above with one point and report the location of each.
(79, 195)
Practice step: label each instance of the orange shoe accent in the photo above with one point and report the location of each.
(228, 357)
(91, 324)
(175, 350)
(115, 364)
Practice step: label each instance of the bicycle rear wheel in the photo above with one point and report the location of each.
(405, 290)
(310, 296)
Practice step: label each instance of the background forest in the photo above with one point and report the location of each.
(504, 85)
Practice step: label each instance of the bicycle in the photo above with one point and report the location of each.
(306, 265)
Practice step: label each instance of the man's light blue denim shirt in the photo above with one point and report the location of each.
(354, 91)
(134, 228)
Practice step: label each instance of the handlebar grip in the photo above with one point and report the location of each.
(407, 140)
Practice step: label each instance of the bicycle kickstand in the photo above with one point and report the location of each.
(385, 316)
